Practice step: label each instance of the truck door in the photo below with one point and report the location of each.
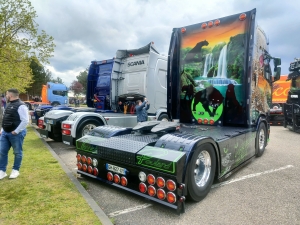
(160, 85)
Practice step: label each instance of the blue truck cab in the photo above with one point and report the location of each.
(99, 84)
(55, 94)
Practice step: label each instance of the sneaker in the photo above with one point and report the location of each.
(14, 174)
(2, 174)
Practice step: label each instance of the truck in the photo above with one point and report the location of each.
(291, 108)
(279, 96)
(219, 94)
(53, 95)
(113, 87)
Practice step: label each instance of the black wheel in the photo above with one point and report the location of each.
(54, 104)
(261, 140)
(163, 117)
(86, 127)
(201, 171)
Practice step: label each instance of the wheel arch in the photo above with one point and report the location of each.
(85, 119)
(202, 141)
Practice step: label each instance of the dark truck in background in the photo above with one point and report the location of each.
(292, 106)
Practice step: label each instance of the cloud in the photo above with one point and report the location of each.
(94, 30)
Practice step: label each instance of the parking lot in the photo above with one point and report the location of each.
(265, 191)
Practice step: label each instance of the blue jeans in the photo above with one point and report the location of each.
(8, 140)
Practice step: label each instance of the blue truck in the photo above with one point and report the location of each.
(53, 95)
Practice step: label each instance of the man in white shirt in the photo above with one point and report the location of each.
(13, 132)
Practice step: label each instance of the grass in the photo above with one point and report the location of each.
(43, 193)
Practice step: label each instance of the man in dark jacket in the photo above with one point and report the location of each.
(12, 133)
(141, 110)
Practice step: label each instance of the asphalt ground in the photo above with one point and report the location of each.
(265, 191)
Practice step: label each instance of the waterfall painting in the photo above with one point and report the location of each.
(212, 70)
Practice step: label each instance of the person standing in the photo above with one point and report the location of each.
(3, 103)
(141, 110)
(13, 132)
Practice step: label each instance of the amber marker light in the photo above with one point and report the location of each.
(116, 178)
(211, 122)
(171, 185)
(171, 197)
(183, 30)
(217, 22)
(142, 187)
(242, 17)
(205, 121)
(199, 121)
(151, 179)
(204, 25)
(109, 176)
(210, 24)
(151, 191)
(161, 194)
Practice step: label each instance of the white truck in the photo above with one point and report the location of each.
(135, 74)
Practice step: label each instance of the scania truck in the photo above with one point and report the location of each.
(113, 88)
(291, 108)
(219, 93)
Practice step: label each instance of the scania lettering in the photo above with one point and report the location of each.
(219, 92)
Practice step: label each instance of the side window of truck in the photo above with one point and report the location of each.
(61, 93)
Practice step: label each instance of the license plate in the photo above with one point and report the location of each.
(49, 121)
(66, 142)
(33, 117)
(116, 169)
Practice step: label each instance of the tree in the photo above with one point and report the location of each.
(57, 80)
(40, 77)
(19, 42)
(77, 88)
(82, 78)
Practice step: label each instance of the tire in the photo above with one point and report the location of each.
(201, 172)
(163, 117)
(261, 140)
(54, 104)
(87, 126)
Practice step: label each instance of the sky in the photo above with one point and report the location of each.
(86, 30)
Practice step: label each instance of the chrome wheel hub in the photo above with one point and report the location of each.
(202, 168)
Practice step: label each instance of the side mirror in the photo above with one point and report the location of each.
(277, 73)
(277, 62)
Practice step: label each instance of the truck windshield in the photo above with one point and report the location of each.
(61, 93)
(295, 85)
(103, 81)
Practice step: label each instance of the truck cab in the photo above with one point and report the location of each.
(292, 105)
(55, 94)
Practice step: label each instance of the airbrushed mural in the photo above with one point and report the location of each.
(212, 71)
(261, 99)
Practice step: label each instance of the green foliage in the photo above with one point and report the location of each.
(57, 80)
(82, 78)
(84, 185)
(40, 77)
(19, 42)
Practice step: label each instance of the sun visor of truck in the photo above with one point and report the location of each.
(292, 75)
(132, 96)
(139, 51)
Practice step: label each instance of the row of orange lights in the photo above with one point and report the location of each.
(160, 193)
(206, 121)
(117, 179)
(217, 22)
(86, 164)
